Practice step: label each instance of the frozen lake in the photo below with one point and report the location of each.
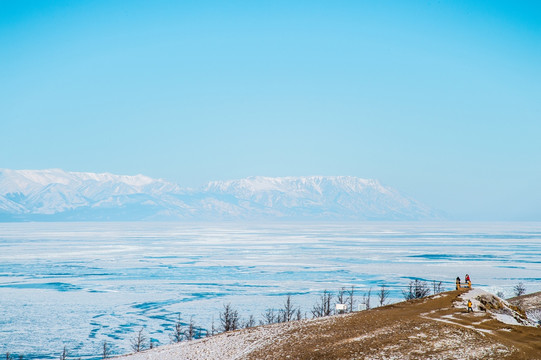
(77, 284)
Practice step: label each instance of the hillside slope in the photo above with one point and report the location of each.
(528, 302)
(438, 327)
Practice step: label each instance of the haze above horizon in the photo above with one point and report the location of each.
(439, 100)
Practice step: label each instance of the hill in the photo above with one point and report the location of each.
(528, 302)
(58, 195)
(438, 327)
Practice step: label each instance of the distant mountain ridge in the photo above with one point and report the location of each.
(58, 195)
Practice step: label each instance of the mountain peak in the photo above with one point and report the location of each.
(292, 183)
(55, 194)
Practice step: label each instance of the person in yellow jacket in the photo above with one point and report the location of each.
(470, 308)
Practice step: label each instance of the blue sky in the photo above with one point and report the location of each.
(440, 100)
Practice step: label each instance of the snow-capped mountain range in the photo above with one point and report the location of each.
(58, 195)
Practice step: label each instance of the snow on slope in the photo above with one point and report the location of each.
(28, 182)
(296, 185)
(498, 308)
(54, 191)
(62, 195)
(342, 197)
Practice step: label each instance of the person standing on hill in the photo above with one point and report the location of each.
(467, 280)
(458, 282)
(470, 308)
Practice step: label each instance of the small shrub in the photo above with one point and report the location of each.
(177, 333)
(323, 306)
(519, 289)
(416, 290)
(229, 318)
(383, 294)
(64, 354)
(106, 352)
(138, 342)
(288, 310)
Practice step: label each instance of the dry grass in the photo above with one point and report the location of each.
(438, 327)
(528, 302)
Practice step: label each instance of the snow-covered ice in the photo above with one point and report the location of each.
(78, 284)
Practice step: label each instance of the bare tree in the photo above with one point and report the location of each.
(437, 287)
(298, 315)
(366, 298)
(64, 355)
(106, 351)
(519, 289)
(250, 322)
(416, 290)
(288, 310)
(212, 331)
(351, 299)
(323, 306)
(500, 294)
(383, 294)
(10, 356)
(229, 318)
(190, 331)
(138, 341)
(269, 317)
(341, 296)
(177, 333)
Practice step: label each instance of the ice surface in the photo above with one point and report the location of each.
(78, 284)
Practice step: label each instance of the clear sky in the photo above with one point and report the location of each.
(439, 99)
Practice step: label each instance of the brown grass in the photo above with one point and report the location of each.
(430, 328)
(421, 329)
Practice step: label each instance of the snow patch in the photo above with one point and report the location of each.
(506, 319)
(498, 308)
